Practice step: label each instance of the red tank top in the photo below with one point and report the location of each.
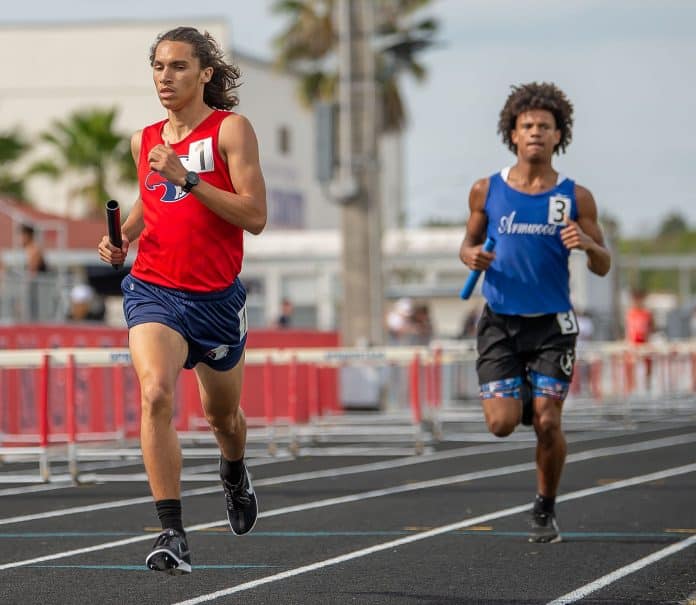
(638, 324)
(184, 245)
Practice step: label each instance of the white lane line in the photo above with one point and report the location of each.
(610, 578)
(375, 466)
(76, 510)
(18, 491)
(371, 494)
(492, 447)
(66, 481)
(334, 472)
(356, 554)
(321, 474)
(359, 497)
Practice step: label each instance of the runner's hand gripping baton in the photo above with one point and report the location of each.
(113, 222)
(470, 284)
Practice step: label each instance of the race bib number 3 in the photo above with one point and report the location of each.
(559, 208)
(568, 322)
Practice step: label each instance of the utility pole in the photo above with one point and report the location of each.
(357, 184)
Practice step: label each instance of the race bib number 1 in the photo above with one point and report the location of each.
(568, 322)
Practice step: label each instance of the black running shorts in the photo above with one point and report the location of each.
(511, 345)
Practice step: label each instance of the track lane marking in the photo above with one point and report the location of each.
(361, 496)
(363, 552)
(610, 578)
(295, 477)
(361, 468)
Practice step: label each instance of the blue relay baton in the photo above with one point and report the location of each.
(470, 284)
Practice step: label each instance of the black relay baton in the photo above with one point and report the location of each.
(113, 221)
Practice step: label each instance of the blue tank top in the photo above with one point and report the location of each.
(530, 273)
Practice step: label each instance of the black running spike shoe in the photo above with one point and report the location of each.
(170, 553)
(240, 499)
(544, 528)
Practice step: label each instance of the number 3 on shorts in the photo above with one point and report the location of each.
(567, 322)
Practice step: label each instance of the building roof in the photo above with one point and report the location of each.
(54, 232)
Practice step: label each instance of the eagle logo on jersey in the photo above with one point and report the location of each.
(170, 191)
(199, 158)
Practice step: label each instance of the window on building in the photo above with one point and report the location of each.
(285, 209)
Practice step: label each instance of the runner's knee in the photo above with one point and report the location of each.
(500, 427)
(228, 421)
(156, 398)
(498, 398)
(547, 425)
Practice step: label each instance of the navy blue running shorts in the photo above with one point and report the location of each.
(214, 324)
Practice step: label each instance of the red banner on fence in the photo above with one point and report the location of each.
(107, 399)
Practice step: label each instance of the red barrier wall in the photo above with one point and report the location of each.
(96, 388)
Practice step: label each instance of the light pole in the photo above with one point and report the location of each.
(357, 184)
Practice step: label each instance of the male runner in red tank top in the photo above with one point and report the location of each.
(201, 186)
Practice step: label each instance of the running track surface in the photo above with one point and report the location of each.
(446, 527)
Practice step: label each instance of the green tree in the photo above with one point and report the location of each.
(310, 40)
(87, 144)
(13, 145)
(673, 225)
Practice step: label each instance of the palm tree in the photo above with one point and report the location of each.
(13, 146)
(308, 43)
(87, 144)
(310, 39)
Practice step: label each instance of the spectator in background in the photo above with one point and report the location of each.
(35, 264)
(399, 321)
(639, 323)
(35, 261)
(85, 305)
(409, 323)
(421, 325)
(285, 318)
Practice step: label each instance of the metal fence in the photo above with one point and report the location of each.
(33, 298)
(392, 400)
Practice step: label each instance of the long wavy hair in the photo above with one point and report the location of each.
(219, 92)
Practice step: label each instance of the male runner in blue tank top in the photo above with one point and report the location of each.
(527, 332)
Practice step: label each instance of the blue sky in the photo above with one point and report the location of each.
(629, 67)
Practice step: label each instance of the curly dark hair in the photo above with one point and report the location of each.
(218, 92)
(537, 96)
